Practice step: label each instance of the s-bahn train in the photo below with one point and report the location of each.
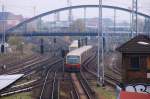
(73, 45)
(75, 58)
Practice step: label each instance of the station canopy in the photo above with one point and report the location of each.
(6, 80)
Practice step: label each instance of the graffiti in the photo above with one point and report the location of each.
(140, 88)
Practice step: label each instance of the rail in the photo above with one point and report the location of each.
(24, 87)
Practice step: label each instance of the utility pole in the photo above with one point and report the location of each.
(34, 11)
(114, 20)
(84, 19)
(70, 10)
(134, 17)
(100, 31)
(57, 17)
(86, 38)
(130, 23)
(70, 18)
(4, 28)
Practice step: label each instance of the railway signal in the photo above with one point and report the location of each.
(63, 53)
(54, 40)
(104, 44)
(79, 43)
(2, 48)
(42, 47)
(86, 41)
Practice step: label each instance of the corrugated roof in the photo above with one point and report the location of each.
(139, 44)
(80, 50)
(133, 95)
(6, 80)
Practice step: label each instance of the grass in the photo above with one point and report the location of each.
(25, 95)
(105, 93)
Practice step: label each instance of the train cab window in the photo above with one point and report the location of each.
(73, 59)
(135, 62)
(148, 62)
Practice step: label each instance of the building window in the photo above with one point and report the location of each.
(148, 63)
(135, 62)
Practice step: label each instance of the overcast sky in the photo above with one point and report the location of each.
(26, 7)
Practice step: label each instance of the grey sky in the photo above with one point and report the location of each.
(25, 7)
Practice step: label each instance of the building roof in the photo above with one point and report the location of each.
(133, 95)
(139, 44)
(10, 16)
(6, 80)
(80, 50)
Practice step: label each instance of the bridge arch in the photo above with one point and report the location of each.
(74, 7)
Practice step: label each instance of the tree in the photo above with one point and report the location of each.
(16, 41)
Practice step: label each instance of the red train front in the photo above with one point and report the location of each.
(72, 63)
(77, 57)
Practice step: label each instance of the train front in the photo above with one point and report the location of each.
(72, 63)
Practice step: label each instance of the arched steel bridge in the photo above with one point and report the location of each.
(72, 7)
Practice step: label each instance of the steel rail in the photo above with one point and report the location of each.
(24, 89)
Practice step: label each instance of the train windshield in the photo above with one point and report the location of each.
(73, 59)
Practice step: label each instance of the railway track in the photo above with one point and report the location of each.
(11, 66)
(53, 86)
(26, 65)
(28, 86)
(89, 70)
(74, 93)
(111, 79)
(67, 89)
(82, 88)
(12, 63)
(79, 87)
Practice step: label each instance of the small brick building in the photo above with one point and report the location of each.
(136, 60)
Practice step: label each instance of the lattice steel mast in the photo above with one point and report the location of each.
(134, 17)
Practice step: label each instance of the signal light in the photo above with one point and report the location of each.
(42, 49)
(79, 43)
(2, 48)
(63, 53)
(54, 40)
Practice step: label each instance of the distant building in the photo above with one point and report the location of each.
(8, 49)
(136, 60)
(9, 19)
(93, 22)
